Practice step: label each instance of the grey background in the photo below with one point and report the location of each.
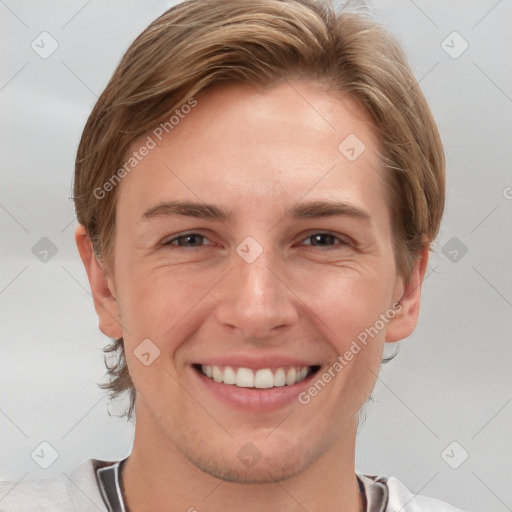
(451, 380)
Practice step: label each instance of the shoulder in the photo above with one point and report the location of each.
(400, 498)
(71, 491)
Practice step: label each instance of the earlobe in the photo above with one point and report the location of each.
(102, 287)
(405, 321)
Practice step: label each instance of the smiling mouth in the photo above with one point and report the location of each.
(263, 378)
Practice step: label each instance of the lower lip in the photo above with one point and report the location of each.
(254, 399)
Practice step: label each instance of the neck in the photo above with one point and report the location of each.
(157, 476)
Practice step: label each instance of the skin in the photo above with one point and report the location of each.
(257, 153)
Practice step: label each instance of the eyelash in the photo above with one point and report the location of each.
(342, 241)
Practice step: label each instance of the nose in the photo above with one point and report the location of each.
(256, 300)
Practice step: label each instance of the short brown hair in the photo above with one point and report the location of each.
(199, 44)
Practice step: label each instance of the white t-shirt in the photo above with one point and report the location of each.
(85, 489)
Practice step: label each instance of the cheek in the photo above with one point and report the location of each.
(155, 307)
(157, 303)
(347, 301)
(348, 310)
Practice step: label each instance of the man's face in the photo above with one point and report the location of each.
(272, 285)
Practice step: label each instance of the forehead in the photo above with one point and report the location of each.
(241, 145)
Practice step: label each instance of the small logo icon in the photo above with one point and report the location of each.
(146, 352)
(44, 455)
(249, 250)
(44, 250)
(454, 249)
(44, 45)
(249, 455)
(351, 147)
(454, 455)
(454, 45)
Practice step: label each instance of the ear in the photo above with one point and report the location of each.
(409, 295)
(102, 286)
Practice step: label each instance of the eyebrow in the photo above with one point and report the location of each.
(311, 210)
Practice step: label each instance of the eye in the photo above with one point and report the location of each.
(322, 239)
(188, 240)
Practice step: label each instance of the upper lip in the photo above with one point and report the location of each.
(255, 363)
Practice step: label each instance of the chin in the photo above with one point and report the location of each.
(265, 461)
(263, 471)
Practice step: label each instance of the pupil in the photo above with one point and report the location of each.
(189, 239)
(322, 237)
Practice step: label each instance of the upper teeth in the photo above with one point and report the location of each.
(262, 378)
